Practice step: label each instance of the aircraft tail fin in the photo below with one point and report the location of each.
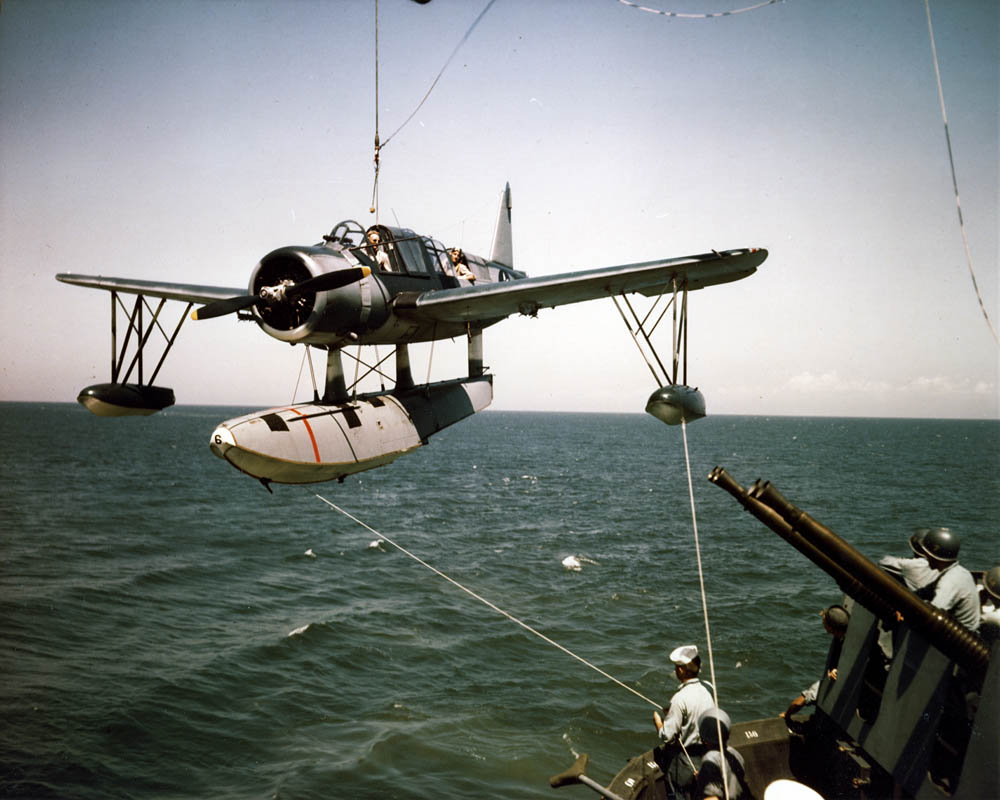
(503, 247)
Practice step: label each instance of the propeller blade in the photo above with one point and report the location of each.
(321, 283)
(222, 307)
(329, 281)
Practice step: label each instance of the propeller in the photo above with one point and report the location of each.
(326, 282)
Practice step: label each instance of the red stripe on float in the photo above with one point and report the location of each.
(309, 429)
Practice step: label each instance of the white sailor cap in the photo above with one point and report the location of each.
(684, 655)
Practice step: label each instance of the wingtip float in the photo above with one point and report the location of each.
(125, 399)
(676, 404)
(381, 285)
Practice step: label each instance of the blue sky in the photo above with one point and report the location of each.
(182, 141)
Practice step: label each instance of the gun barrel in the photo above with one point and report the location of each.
(845, 580)
(855, 574)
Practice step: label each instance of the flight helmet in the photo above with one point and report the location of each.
(991, 583)
(940, 543)
(709, 730)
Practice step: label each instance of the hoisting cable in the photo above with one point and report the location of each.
(954, 179)
(374, 204)
(468, 33)
(704, 610)
(699, 16)
(483, 600)
(380, 144)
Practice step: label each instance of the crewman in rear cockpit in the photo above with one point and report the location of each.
(461, 265)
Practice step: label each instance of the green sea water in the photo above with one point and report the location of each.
(170, 629)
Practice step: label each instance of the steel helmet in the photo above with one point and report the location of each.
(991, 582)
(940, 543)
(709, 730)
(916, 539)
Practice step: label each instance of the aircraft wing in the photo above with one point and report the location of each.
(186, 292)
(528, 295)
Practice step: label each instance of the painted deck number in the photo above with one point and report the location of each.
(751, 734)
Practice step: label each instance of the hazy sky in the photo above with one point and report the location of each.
(182, 141)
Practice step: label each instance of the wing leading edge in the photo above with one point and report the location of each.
(528, 295)
(185, 292)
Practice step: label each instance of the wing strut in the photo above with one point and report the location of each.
(135, 324)
(674, 401)
(120, 398)
(678, 301)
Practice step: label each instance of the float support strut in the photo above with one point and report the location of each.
(336, 389)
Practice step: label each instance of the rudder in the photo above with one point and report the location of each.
(503, 247)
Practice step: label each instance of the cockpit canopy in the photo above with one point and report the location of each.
(400, 250)
(388, 249)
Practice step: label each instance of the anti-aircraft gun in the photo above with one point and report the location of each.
(914, 713)
(919, 718)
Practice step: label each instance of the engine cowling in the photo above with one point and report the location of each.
(325, 317)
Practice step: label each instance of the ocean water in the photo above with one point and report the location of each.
(170, 629)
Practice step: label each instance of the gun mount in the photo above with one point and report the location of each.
(857, 577)
(914, 717)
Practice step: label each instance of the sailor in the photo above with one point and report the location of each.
(713, 783)
(989, 619)
(955, 588)
(915, 572)
(461, 265)
(678, 728)
(835, 620)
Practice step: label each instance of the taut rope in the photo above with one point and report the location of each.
(486, 602)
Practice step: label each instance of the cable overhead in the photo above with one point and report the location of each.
(954, 179)
(681, 15)
(374, 204)
(463, 40)
(379, 144)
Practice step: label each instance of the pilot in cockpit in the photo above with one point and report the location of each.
(461, 265)
(377, 250)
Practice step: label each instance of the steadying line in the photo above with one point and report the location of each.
(483, 600)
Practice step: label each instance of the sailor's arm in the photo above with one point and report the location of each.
(808, 697)
(670, 727)
(794, 706)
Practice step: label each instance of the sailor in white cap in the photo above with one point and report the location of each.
(678, 728)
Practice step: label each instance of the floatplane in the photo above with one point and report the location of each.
(385, 285)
